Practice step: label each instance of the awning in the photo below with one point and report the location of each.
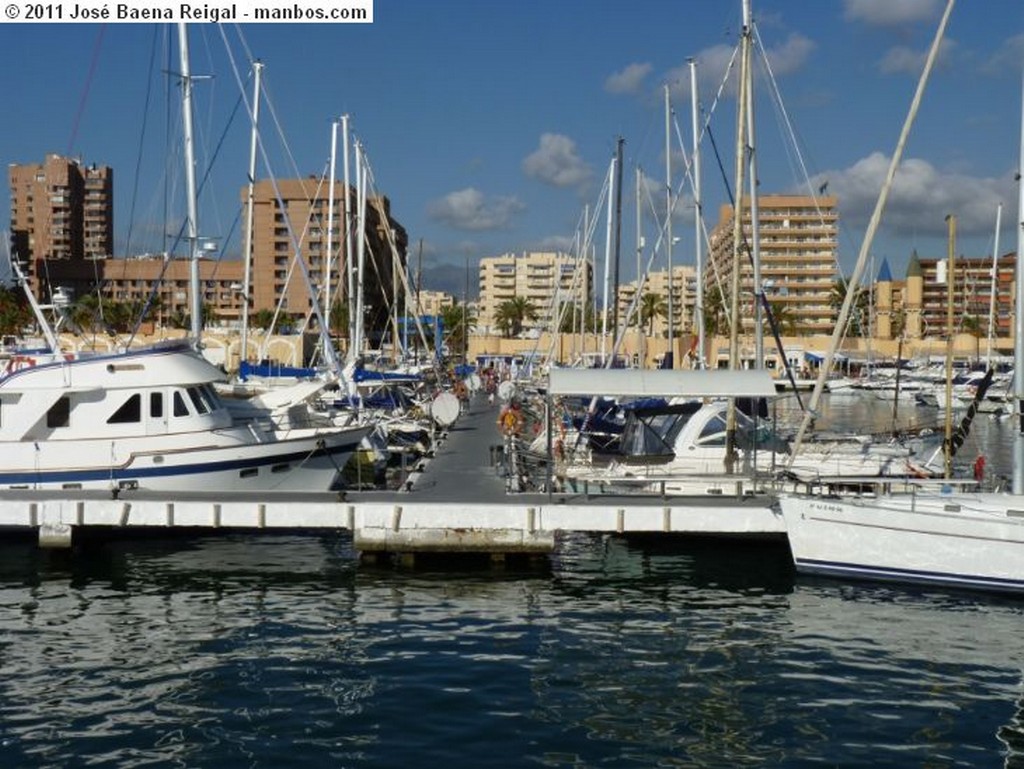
(819, 357)
(638, 383)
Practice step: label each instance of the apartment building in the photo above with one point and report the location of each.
(136, 280)
(62, 221)
(62, 211)
(547, 280)
(296, 225)
(925, 306)
(433, 302)
(684, 299)
(798, 249)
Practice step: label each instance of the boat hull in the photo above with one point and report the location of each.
(973, 541)
(306, 463)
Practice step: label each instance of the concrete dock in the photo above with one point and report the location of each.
(457, 502)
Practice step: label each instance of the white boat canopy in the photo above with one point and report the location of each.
(640, 383)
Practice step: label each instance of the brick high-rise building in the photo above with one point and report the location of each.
(302, 213)
(62, 214)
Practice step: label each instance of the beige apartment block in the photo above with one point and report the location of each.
(433, 302)
(684, 299)
(548, 280)
(798, 250)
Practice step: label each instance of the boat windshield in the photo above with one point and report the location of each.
(652, 432)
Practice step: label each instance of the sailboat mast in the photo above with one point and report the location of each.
(993, 287)
(668, 227)
(1018, 332)
(349, 273)
(737, 238)
(755, 229)
(329, 267)
(190, 183)
(257, 67)
(618, 233)
(947, 444)
(607, 262)
(357, 347)
(698, 214)
(641, 335)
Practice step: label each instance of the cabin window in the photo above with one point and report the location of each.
(211, 397)
(713, 433)
(156, 405)
(129, 412)
(180, 409)
(198, 400)
(59, 414)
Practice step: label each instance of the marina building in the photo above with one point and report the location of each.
(62, 211)
(62, 230)
(433, 302)
(684, 300)
(296, 225)
(547, 280)
(918, 306)
(798, 249)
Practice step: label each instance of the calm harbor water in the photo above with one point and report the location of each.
(281, 650)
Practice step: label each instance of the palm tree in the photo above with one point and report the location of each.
(512, 314)
(785, 320)
(571, 319)
(652, 306)
(858, 313)
(971, 324)
(262, 319)
(457, 321)
(714, 312)
(14, 311)
(337, 319)
(181, 319)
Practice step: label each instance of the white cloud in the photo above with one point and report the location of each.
(921, 197)
(557, 163)
(468, 209)
(902, 59)
(713, 62)
(906, 60)
(891, 13)
(628, 80)
(791, 55)
(1007, 57)
(562, 243)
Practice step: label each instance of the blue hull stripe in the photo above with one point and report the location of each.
(200, 468)
(860, 571)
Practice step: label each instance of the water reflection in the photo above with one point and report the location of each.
(278, 650)
(990, 435)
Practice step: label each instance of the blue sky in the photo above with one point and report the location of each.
(490, 126)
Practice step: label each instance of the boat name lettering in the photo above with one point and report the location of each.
(826, 508)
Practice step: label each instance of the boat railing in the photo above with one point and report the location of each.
(872, 486)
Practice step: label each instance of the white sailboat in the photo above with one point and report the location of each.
(963, 540)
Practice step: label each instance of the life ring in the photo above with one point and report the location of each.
(19, 362)
(510, 422)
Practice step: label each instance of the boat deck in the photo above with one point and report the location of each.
(456, 502)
